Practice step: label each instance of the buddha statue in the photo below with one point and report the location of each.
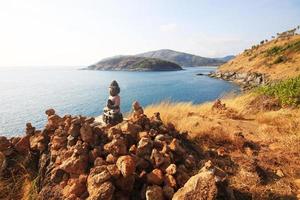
(112, 113)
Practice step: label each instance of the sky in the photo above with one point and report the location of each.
(82, 32)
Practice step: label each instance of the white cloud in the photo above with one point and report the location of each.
(168, 27)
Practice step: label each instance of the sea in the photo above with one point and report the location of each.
(26, 92)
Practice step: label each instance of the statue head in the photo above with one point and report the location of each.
(114, 88)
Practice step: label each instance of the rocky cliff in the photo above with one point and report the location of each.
(134, 63)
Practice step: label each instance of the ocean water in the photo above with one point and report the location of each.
(25, 93)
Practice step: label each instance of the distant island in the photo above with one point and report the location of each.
(134, 63)
(160, 60)
(185, 59)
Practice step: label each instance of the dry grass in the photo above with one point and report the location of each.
(257, 60)
(272, 141)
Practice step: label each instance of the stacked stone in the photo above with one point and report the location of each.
(77, 158)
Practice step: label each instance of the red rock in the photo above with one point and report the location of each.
(176, 147)
(23, 145)
(142, 163)
(53, 122)
(93, 154)
(144, 147)
(3, 163)
(114, 132)
(126, 164)
(58, 142)
(116, 147)
(74, 130)
(103, 191)
(114, 171)
(29, 129)
(125, 183)
(102, 177)
(99, 161)
(74, 186)
(169, 180)
(171, 169)
(143, 134)
(201, 186)
(154, 193)
(157, 158)
(57, 175)
(155, 177)
(50, 112)
(132, 149)
(131, 129)
(111, 159)
(86, 133)
(4, 143)
(75, 165)
(35, 140)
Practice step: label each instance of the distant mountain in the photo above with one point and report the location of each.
(182, 59)
(226, 58)
(134, 63)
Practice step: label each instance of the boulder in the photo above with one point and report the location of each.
(154, 193)
(50, 112)
(74, 130)
(4, 144)
(116, 147)
(23, 145)
(144, 147)
(126, 164)
(86, 133)
(74, 187)
(155, 177)
(114, 171)
(53, 122)
(75, 165)
(157, 158)
(99, 185)
(29, 129)
(131, 128)
(198, 187)
(171, 169)
(103, 191)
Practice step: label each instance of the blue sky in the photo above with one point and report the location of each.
(81, 32)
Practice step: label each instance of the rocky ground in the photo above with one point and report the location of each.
(75, 157)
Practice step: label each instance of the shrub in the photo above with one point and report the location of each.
(280, 59)
(274, 51)
(286, 91)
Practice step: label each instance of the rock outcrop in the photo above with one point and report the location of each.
(247, 80)
(76, 158)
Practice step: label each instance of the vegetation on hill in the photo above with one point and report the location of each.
(184, 59)
(278, 58)
(286, 91)
(134, 63)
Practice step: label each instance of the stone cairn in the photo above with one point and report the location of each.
(76, 158)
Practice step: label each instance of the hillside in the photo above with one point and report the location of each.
(277, 59)
(134, 63)
(182, 59)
